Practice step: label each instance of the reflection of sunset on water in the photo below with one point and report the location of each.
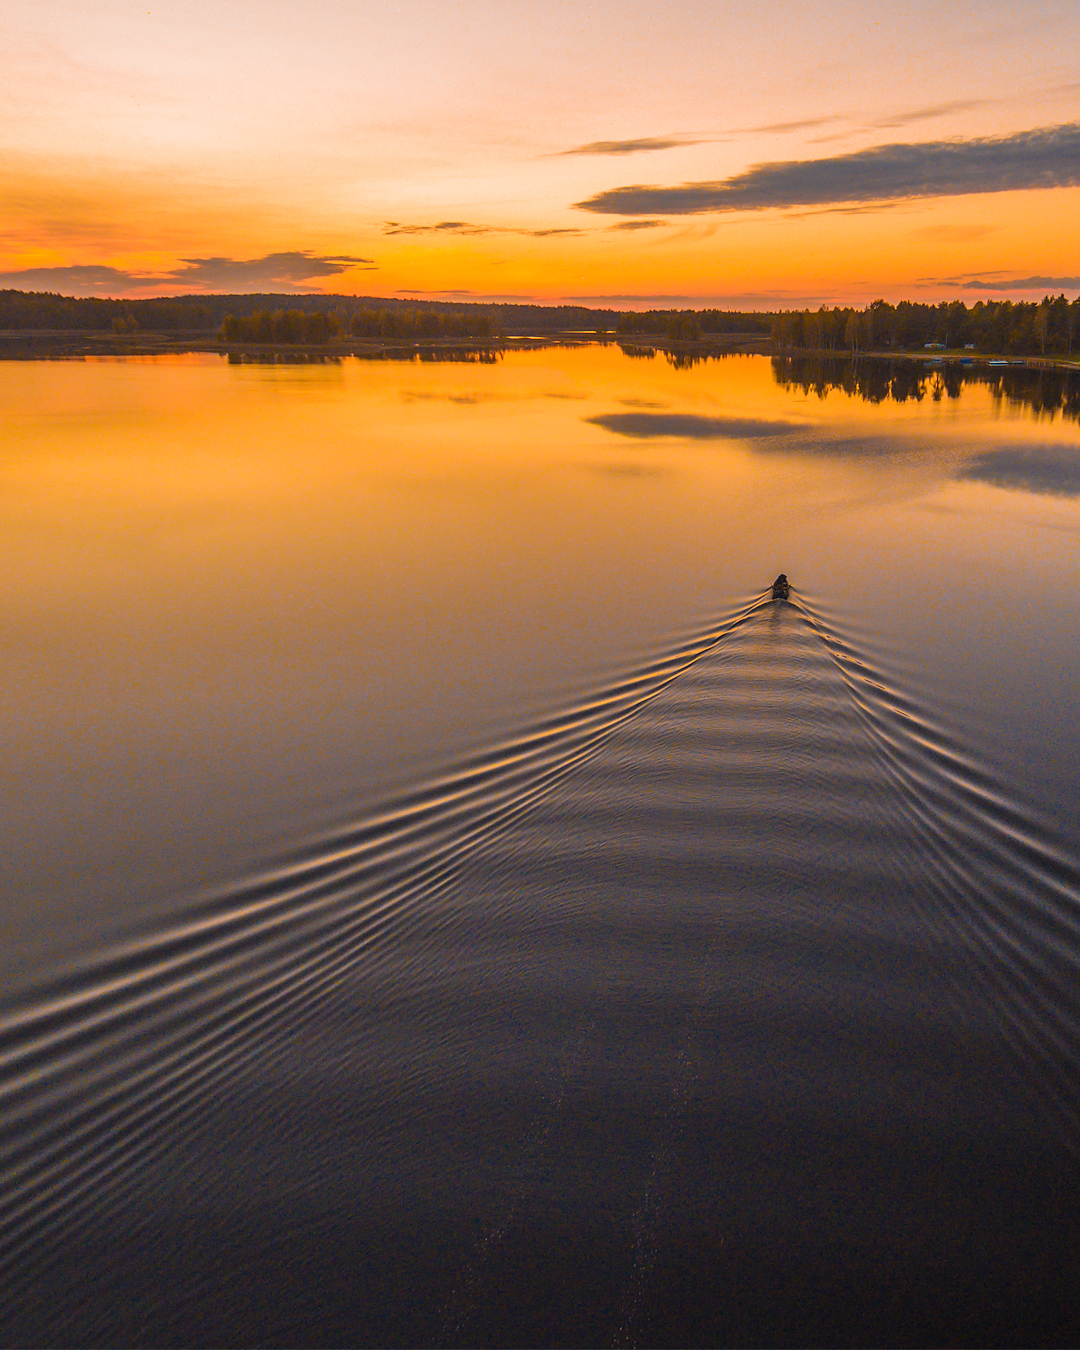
(430, 828)
(458, 540)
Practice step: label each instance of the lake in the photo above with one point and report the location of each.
(449, 902)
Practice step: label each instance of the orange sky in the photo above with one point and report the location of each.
(465, 149)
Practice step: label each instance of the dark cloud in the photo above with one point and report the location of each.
(256, 274)
(995, 281)
(1052, 470)
(637, 224)
(83, 281)
(631, 147)
(689, 426)
(1045, 158)
(1024, 284)
(279, 272)
(465, 227)
(443, 227)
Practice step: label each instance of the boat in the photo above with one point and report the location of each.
(781, 588)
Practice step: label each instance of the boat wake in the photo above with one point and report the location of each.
(607, 978)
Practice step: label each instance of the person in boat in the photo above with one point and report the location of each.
(781, 589)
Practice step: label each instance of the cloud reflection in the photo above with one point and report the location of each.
(690, 426)
(1050, 470)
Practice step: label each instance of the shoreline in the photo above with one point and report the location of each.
(954, 358)
(51, 344)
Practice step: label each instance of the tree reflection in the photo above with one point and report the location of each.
(1045, 393)
(277, 357)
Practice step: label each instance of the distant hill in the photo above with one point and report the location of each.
(202, 313)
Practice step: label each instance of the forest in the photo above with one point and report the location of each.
(1047, 327)
(37, 310)
(40, 310)
(294, 326)
(689, 325)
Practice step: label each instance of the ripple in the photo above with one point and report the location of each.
(750, 876)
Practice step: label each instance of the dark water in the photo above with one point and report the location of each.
(515, 931)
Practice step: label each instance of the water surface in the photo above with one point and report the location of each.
(450, 903)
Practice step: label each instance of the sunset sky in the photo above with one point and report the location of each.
(720, 152)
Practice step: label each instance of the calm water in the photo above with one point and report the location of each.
(448, 903)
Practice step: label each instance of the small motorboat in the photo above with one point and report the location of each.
(781, 588)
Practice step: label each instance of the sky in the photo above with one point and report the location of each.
(618, 153)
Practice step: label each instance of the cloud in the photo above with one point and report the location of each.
(476, 296)
(900, 119)
(1000, 281)
(78, 280)
(844, 135)
(637, 225)
(464, 227)
(276, 269)
(1023, 284)
(897, 120)
(443, 227)
(279, 272)
(867, 209)
(689, 426)
(703, 301)
(937, 110)
(635, 299)
(803, 125)
(631, 147)
(966, 276)
(1051, 470)
(1045, 158)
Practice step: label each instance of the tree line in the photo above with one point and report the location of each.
(296, 326)
(207, 313)
(1050, 326)
(1047, 327)
(43, 309)
(688, 325)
